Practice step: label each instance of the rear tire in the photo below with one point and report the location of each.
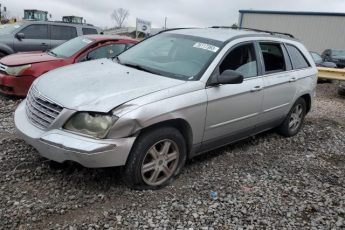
(156, 158)
(294, 120)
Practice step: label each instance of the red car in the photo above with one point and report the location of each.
(18, 71)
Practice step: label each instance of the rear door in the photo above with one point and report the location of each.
(233, 109)
(279, 83)
(36, 38)
(60, 33)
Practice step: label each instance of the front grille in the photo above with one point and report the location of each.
(40, 110)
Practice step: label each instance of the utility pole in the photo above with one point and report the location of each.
(165, 24)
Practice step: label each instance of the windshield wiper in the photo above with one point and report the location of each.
(117, 59)
(52, 53)
(139, 67)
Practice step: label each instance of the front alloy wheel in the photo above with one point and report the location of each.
(160, 162)
(155, 159)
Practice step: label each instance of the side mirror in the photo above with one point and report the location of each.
(229, 77)
(20, 36)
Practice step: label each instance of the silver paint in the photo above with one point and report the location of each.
(141, 99)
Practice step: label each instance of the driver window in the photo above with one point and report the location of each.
(242, 59)
(36, 31)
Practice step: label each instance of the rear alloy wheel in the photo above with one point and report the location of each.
(156, 158)
(294, 120)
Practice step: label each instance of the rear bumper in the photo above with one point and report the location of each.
(60, 146)
(17, 86)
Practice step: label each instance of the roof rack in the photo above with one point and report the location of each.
(172, 29)
(84, 24)
(252, 29)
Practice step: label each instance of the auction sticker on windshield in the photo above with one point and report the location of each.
(206, 47)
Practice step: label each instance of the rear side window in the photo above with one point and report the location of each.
(273, 56)
(35, 32)
(89, 31)
(297, 58)
(241, 59)
(63, 32)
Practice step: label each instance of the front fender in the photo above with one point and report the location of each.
(6, 48)
(190, 107)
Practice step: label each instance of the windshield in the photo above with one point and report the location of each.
(10, 28)
(71, 47)
(172, 55)
(338, 53)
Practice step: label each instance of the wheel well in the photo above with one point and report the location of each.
(181, 125)
(4, 52)
(307, 99)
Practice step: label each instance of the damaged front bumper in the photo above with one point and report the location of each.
(60, 146)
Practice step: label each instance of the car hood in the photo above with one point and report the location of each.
(27, 58)
(99, 85)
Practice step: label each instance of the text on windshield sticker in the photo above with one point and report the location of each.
(206, 47)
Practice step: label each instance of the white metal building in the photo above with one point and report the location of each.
(318, 31)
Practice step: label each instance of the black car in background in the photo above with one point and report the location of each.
(336, 56)
(320, 62)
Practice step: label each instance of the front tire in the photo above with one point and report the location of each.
(294, 120)
(156, 159)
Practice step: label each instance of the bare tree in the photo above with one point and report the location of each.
(119, 16)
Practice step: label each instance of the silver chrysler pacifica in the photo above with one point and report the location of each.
(167, 99)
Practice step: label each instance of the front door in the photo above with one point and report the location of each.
(233, 109)
(36, 38)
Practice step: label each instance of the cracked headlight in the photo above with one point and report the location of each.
(17, 70)
(91, 124)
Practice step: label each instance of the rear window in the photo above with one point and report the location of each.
(63, 32)
(71, 47)
(89, 31)
(273, 56)
(297, 58)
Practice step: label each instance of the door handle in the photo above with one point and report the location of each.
(257, 88)
(44, 44)
(293, 79)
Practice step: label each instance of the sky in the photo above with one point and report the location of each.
(179, 13)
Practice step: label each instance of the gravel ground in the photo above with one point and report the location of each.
(266, 182)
